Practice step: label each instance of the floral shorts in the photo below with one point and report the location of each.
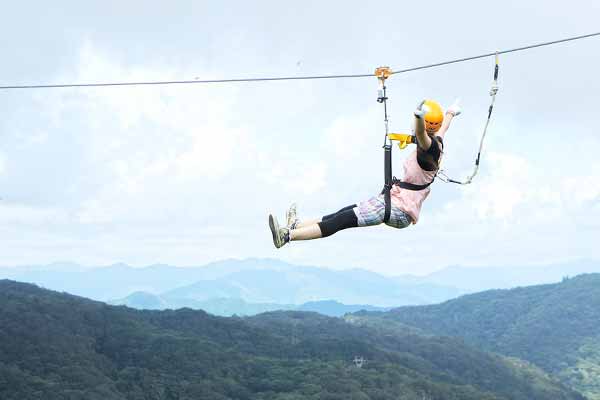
(372, 211)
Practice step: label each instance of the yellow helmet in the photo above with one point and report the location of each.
(434, 116)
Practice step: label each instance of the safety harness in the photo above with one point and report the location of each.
(397, 182)
(389, 180)
(382, 73)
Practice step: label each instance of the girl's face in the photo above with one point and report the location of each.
(432, 127)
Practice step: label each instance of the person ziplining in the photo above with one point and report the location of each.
(420, 169)
(399, 203)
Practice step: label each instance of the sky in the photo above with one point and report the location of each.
(187, 174)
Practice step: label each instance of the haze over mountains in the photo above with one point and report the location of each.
(251, 281)
(476, 279)
(234, 306)
(251, 286)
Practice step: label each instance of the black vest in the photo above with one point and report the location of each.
(429, 159)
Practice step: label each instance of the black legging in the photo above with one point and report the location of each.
(343, 219)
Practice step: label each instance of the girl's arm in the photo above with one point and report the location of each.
(445, 124)
(451, 112)
(423, 139)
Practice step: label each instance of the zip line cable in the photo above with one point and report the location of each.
(292, 78)
(532, 46)
(235, 80)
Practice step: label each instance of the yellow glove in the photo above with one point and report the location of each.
(403, 139)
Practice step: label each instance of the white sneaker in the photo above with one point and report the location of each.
(291, 216)
(280, 235)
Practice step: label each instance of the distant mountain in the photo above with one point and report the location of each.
(58, 346)
(224, 307)
(258, 281)
(120, 280)
(333, 308)
(556, 327)
(227, 307)
(252, 281)
(476, 279)
(301, 284)
(143, 301)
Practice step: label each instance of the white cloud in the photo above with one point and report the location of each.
(348, 136)
(506, 188)
(23, 216)
(145, 140)
(519, 193)
(184, 173)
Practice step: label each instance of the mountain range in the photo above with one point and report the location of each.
(252, 281)
(477, 279)
(227, 307)
(256, 279)
(554, 326)
(59, 346)
(251, 286)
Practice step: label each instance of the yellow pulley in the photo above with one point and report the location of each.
(383, 73)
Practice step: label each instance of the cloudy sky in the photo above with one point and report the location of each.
(188, 174)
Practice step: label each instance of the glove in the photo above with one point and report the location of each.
(421, 110)
(403, 139)
(454, 109)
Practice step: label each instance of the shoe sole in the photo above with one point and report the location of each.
(274, 230)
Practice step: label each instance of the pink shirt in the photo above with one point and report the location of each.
(410, 201)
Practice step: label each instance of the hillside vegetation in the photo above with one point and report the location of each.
(556, 327)
(58, 346)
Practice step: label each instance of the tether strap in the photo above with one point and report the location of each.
(383, 73)
(493, 92)
(389, 181)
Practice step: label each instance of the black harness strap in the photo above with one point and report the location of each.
(397, 182)
(411, 186)
(388, 181)
(391, 181)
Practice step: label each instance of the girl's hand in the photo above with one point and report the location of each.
(421, 110)
(454, 109)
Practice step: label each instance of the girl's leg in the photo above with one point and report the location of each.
(308, 222)
(303, 224)
(350, 207)
(307, 232)
(370, 212)
(329, 224)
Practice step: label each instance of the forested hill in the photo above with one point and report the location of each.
(58, 346)
(557, 327)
